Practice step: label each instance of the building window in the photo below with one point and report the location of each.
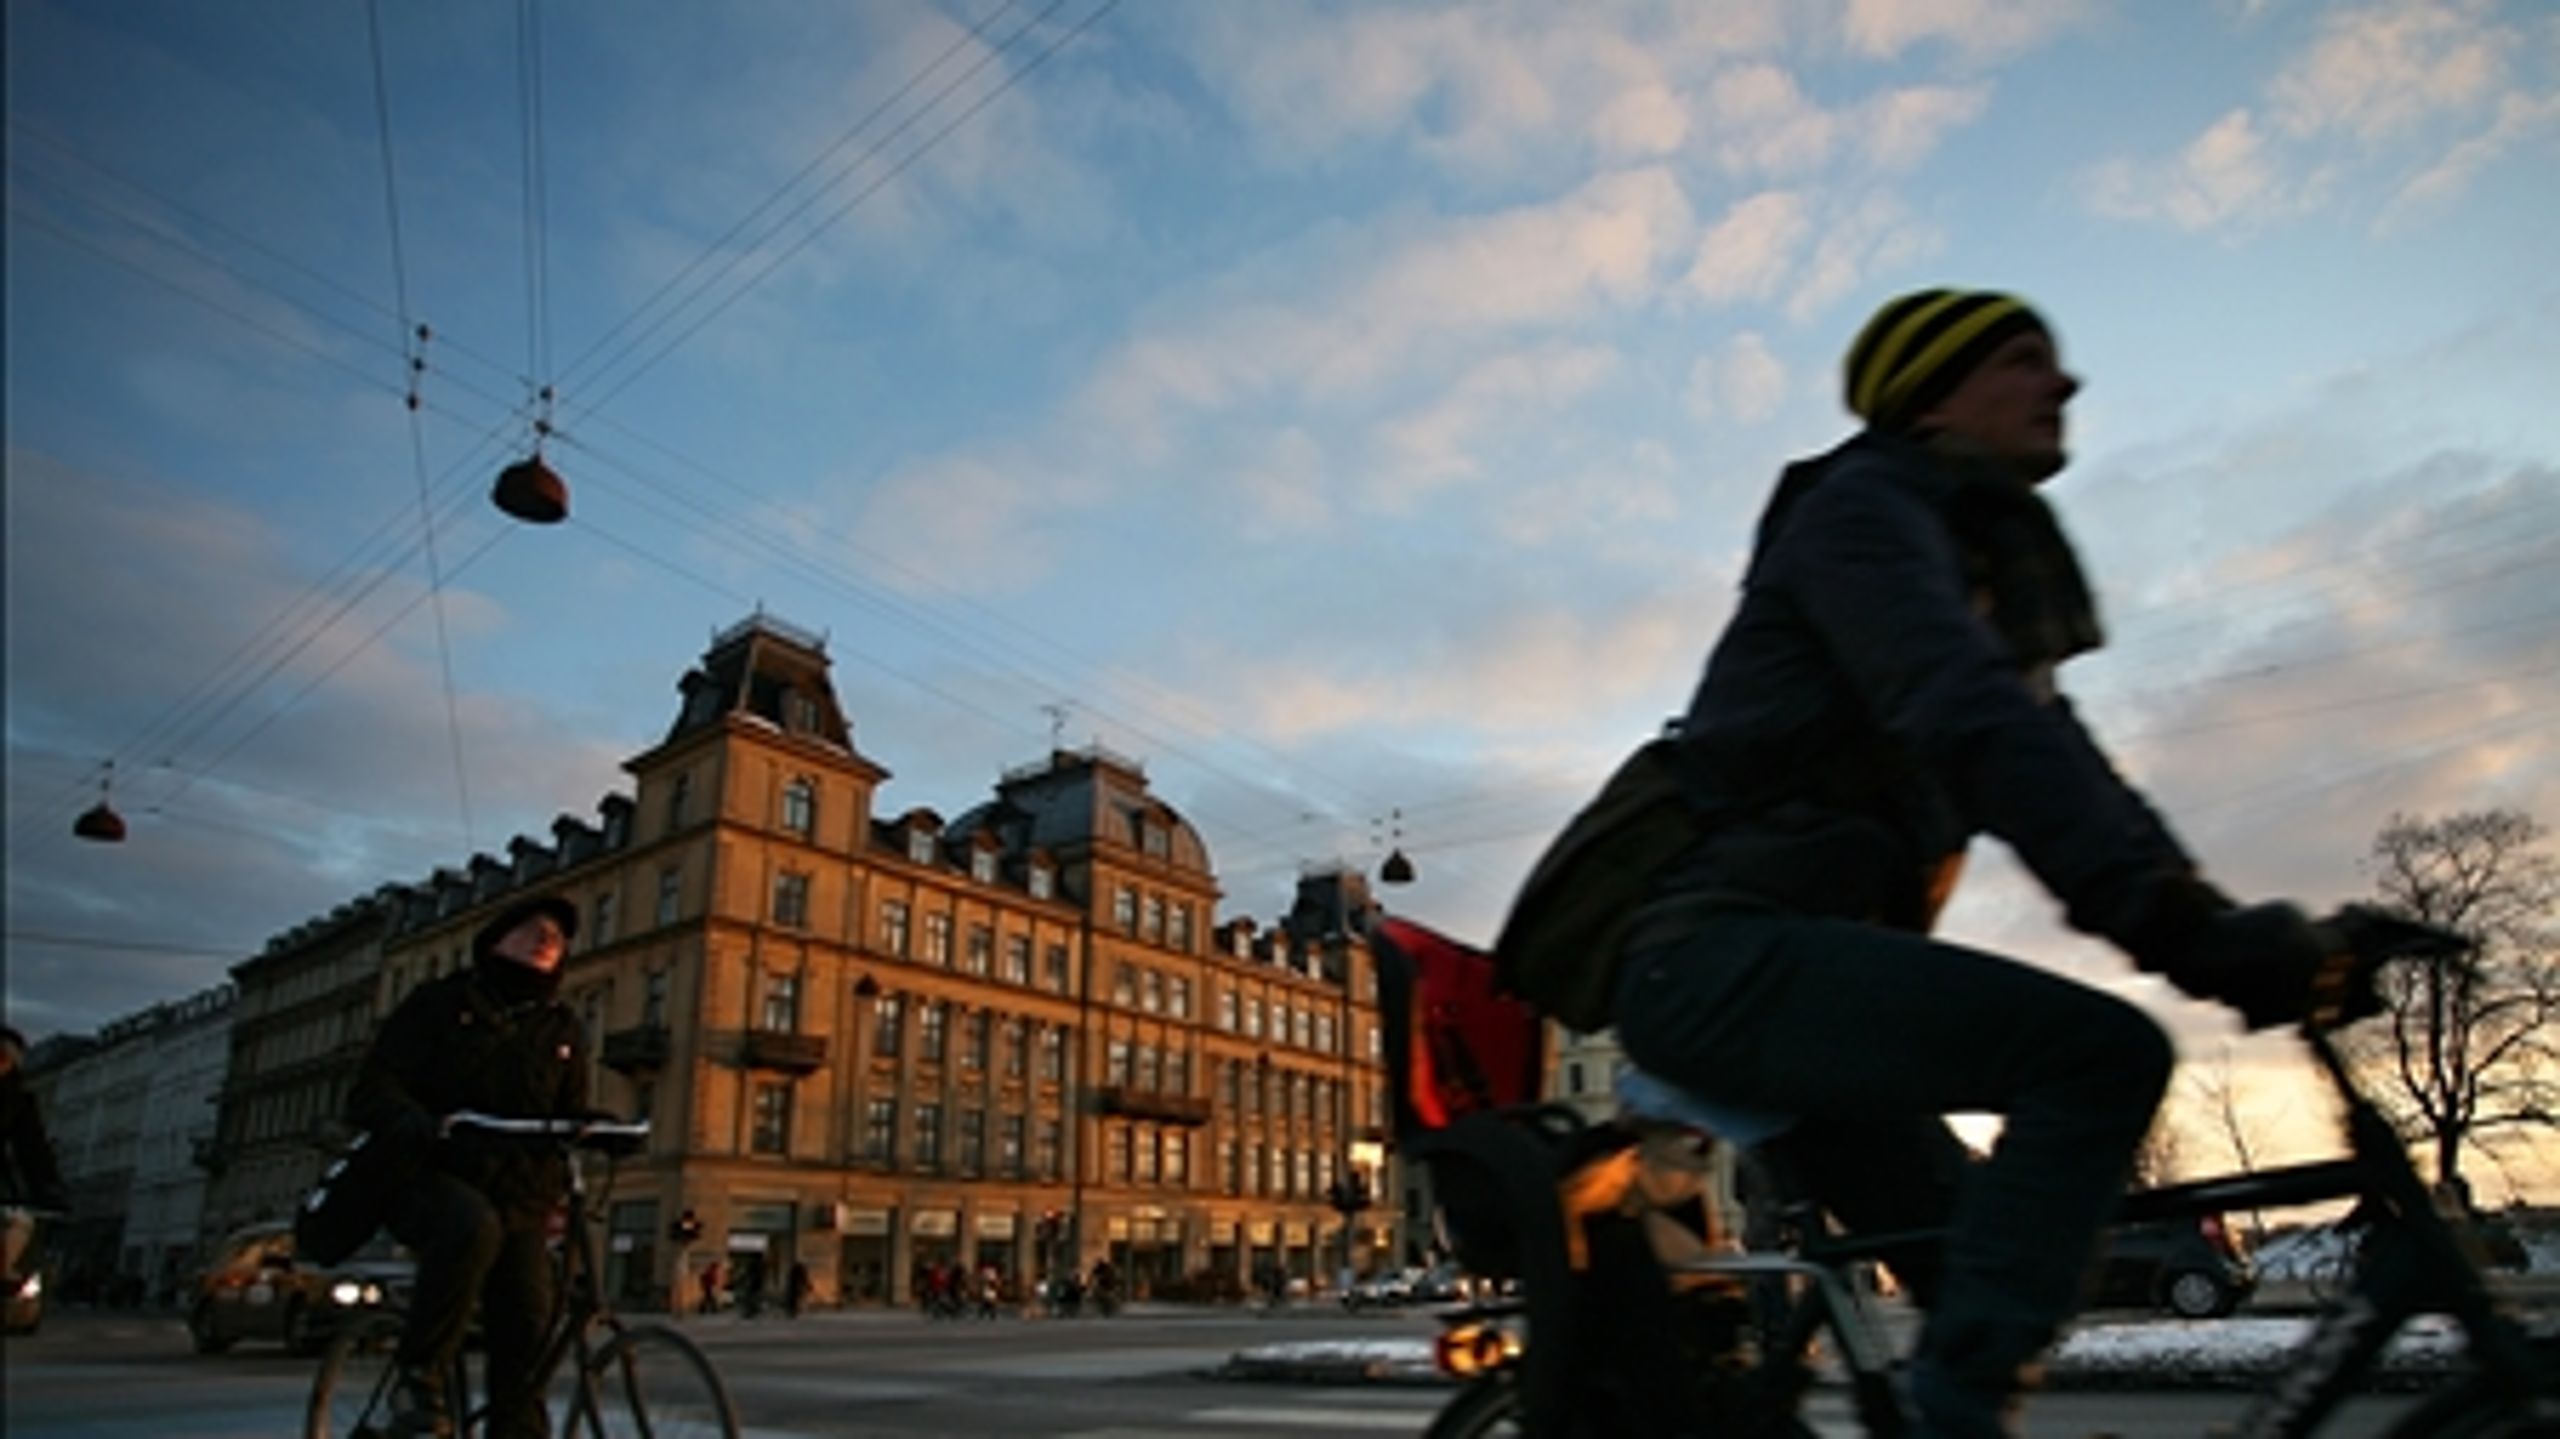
(1009, 1145)
(1017, 958)
(1324, 1033)
(889, 1034)
(1279, 1021)
(1180, 935)
(782, 1003)
(974, 1056)
(1230, 1172)
(677, 794)
(1227, 1010)
(1302, 1028)
(1053, 1053)
(982, 865)
(893, 926)
(1177, 997)
(1177, 1071)
(1177, 1159)
(600, 929)
(1115, 1065)
(973, 1140)
(773, 1119)
(1057, 968)
(1253, 1167)
(920, 844)
(1230, 1086)
(1017, 1049)
(800, 807)
(1151, 992)
(1124, 909)
(880, 1132)
(670, 892)
(935, 1020)
(791, 900)
(1147, 1074)
(1049, 1155)
(1124, 986)
(799, 712)
(981, 954)
(928, 1136)
(937, 939)
(1044, 882)
(1118, 1152)
(1252, 1016)
(653, 998)
(1142, 1154)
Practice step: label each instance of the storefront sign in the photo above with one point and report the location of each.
(995, 1226)
(1259, 1231)
(1296, 1233)
(935, 1224)
(747, 1243)
(1115, 1229)
(866, 1222)
(1222, 1231)
(764, 1218)
(1143, 1230)
(625, 1243)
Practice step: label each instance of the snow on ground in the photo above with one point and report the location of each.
(2248, 1345)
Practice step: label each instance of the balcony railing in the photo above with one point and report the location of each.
(775, 1049)
(641, 1049)
(1153, 1104)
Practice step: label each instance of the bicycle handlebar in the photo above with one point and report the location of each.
(2361, 940)
(613, 1136)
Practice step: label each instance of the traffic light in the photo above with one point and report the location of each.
(685, 1229)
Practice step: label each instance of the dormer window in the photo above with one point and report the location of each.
(799, 712)
(920, 844)
(1044, 882)
(677, 794)
(982, 865)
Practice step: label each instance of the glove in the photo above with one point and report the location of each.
(2260, 960)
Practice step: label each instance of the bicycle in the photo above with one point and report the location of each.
(623, 1379)
(1749, 1363)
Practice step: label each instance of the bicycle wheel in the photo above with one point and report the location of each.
(651, 1381)
(2479, 1409)
(351, 1394)
(1490, 1406)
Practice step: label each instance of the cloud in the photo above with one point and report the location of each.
(1982, 29)
(2384, 69)
(1743, 381)
(1758, 250)
(2372, 88)
(1748, 253)
(1425, 449)
(2225, 176)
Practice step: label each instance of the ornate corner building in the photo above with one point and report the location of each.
(1016, 1038)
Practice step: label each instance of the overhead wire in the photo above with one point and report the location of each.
(413, 340)
(900, 167)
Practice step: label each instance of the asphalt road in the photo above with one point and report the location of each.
(894, 1376)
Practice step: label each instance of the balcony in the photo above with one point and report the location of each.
(641, 1049)
(777, 1050)
(1151, 1104)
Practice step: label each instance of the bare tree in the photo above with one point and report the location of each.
(2156, 1163)
(2470, 1058)
(2215, 1089)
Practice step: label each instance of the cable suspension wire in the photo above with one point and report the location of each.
(578, 365)
(898, 168)
(414, 339)
(50, 940)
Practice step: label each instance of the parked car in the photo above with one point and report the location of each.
(2192, 1268)
(1380, 1291)
(256, 1289)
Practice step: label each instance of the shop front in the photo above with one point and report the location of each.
(631, 1256)
(864, 1254)
(999, 1247)
(933, 1239)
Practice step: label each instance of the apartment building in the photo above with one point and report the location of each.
(1015, 1037)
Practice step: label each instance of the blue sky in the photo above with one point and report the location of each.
(1356, 412)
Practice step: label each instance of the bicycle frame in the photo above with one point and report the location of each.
(579, 1304)
(2415, 1262)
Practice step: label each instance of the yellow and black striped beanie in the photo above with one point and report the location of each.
(1920, 346)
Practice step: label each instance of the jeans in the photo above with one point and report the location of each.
(1869, 1036)
(469, 1249)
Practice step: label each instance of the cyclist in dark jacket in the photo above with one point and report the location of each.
(496, 1039)
(1884, 692)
